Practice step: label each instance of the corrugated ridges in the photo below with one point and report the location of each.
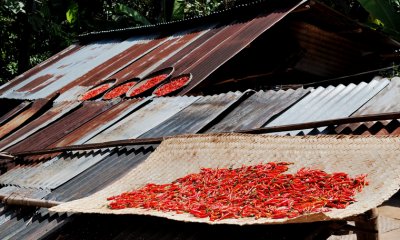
(62, 127)
(144, 119)
(258, 109)
(51, 174)
(100, 175)
(329, 103)
(53, 114)
(196, 116)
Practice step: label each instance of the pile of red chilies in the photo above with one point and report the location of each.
(171, 86)
(148, 84)
(118, 91)
(95, 92)
(260, 191)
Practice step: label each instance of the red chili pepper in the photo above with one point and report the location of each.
(260, 191)
(95, 91)
(171, 86)
(148, 84)
(118, 91)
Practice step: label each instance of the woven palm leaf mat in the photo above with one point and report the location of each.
(379, 157)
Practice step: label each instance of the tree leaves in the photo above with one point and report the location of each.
(72, 13)
(135, 15)
(385, 12)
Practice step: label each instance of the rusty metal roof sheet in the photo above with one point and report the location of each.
(68, 69)
(328, 103)
(100, 123)
(18, 120)
(231, 39)
(144, 119)
(13, 112)
(62, 127)
(256, 110)
(196, 116)
(17, 80)
(50, 116)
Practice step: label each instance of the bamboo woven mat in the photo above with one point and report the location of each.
(379, 157)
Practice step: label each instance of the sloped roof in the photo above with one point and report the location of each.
(45, 124)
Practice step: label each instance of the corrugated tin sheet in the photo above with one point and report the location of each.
(329, 103)
(23, 117)
(51, 174)
(256, 110)
(62, 127)
(160, 55)
(68, 69)
(196, 116)
(231, 39)
(50, 116)
(13, 112)
(102, 174)
(100, 123)
(139, 122)
(384, 102)
(17, 80)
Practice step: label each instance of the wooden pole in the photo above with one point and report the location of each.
(29, 202)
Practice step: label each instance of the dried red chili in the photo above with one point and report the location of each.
(118, 91)
(154, 81)
(95, 91)
(171, 86)
(260, 191)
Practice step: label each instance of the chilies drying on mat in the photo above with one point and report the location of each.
(260, 191)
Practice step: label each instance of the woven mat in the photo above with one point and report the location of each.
(379, 157)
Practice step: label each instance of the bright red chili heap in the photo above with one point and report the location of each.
(148, 84)
(118, 91)
(260, 191)
(171, 86)
(95, 91)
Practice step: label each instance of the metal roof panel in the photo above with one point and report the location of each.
(328, 103)
(194, 117)
(139, 122)
(256, 110)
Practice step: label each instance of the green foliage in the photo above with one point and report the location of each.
(386, 12)
(135, 16)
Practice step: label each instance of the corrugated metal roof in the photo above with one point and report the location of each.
(24, 116)
(62, 127)
(17, 80)
(13, 112)
(196, 116)
(52, 115)
(329, 103)
(139, 122)
(384, 102)
(231, 39)
(51, 174)
(68, 69)
(100, 123)
(256, 110)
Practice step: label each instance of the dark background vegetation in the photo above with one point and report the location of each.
(33, 30)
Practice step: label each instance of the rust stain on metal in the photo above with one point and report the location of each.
(181, 54)
(114, 64)
(94, 124)
(66, 52)
(13, 112)
(231, 39)
(62, 127)
(138, 68)
(23, 117)
(40, 122)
